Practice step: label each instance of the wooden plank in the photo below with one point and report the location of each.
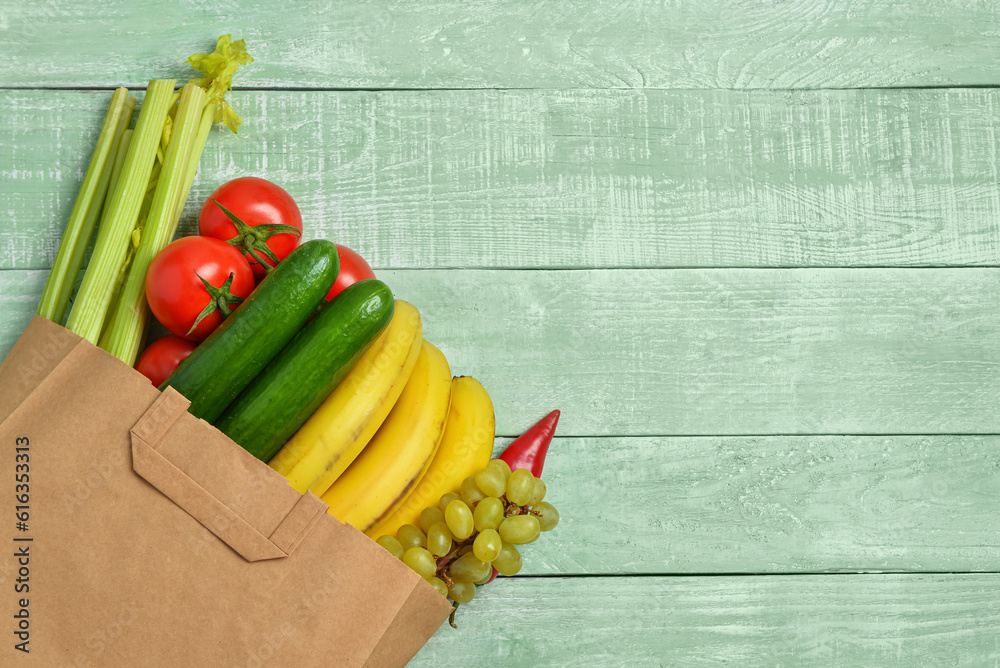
(572, 179)
(770, 504)
(482, 44)
(20, 292)
(849, 620)
(688, 352)
(708, 352)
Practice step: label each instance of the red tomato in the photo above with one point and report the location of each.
(353, 268)
(194, 283)
(163, 356)
(268, 225)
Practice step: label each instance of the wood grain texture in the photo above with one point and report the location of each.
(634, 352)
(571, 179)
(849, 620)
(715, 352)
(647, 215)
(770, 504)
(522, 44)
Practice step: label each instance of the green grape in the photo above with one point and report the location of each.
(508, 562)
(448, 498)
(410, 536)
(390, 543)
(468, 568)
(471, 493)
(458, 516)
(520, 487)
(429, 516)
(488, 513)
(502, 466)
(491, 481)
(519, 529)
(439, 539)
(538, 493)
(420, 561)
(462, 592)
(548, 516)
(485, 579)
(487, 545)
(439, 584)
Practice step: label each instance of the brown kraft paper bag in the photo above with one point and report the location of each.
(139, 535)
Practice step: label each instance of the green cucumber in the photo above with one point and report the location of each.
(307, 370)
(232, 356)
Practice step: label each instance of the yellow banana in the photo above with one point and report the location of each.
(400, 451)
(344, 423)
(465, 448)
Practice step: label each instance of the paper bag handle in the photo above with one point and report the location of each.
(210, 511)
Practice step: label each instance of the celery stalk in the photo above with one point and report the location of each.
(127, 324)
(133, 243)
(89, 311)
(80, 226)
(191, 169)
(116, 168)
(115, 175)
(218, 69)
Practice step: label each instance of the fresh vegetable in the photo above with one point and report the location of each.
(128, 320)
(163, 356)
(377, 482)
(257, 217)
(139, 179)
(353, 268)
(332, 438)
(307, 370)
(89, 200)
(90, 308)
(195, 283)
(464, 543)
(195, 115)
(528, 450)
(465, 449)
(218, 69)
(119, 163)
(233, 355)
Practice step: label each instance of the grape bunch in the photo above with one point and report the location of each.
(460, 541)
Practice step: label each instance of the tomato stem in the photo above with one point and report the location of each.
(220, 299)
(252, 240)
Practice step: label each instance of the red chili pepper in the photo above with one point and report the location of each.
(529, 449)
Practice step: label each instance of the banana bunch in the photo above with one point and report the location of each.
(396, 433)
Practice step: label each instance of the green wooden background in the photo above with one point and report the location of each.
(749, 248)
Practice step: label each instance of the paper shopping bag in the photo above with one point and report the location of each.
(138, 535)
